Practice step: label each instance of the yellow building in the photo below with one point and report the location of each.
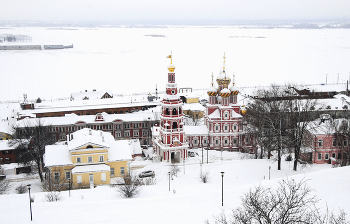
(88, 157)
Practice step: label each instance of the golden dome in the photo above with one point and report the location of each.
(243, 110)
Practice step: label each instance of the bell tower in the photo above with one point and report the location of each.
(171, 145)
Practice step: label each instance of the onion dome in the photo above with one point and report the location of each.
(222, 78)
(234, 90)
(171, 67)
(243, 110)
(225, 92)
(212, 91)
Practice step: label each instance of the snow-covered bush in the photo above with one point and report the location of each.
(21, 189)
(174, 169)
(129, 185)
(4, 186)
(204, 177)
(53, 196)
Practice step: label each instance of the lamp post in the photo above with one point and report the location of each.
(30, 203)
(169, 180)
(269, 171)
(69, 186)
(222, 190)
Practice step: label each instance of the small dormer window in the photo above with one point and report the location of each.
(226, 115)
(99, 117)
(89, 147)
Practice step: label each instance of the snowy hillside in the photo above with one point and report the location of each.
(188, 201)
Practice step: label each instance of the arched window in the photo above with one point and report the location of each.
(167, 111)
(174, 111)
(175, 125)
(89, 147)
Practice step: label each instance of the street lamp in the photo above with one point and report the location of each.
(269, 171)
(30, 203)
(222, 190)
(69, 186)
(169, 180)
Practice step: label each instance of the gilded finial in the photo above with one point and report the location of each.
(212, 79)
(171, 68)
(223, 69)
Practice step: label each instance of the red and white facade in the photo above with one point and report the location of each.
(170, 144)
(224, 123)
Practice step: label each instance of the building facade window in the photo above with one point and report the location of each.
(79, 179)
(101, 158)
(320, 143)
(78, 159)
(103, 177)
(89, 159)
(334, 144)
(112, 171)
(122, 170)
(57, 177)
(326, 156)
(126, 133)
(319, 156)
(67, 175)
(333, 155)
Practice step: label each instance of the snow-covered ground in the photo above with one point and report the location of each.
(188, 201)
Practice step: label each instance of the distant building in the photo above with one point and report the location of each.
(91, 95)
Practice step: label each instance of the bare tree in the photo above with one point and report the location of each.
(129, 185)
(266, 115)
(291, 202)
(341, 135)
(30, 141)
(300, 113)
(193, 118)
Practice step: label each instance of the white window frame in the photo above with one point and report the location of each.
(226, 141)
(122, 170)
(320, 143)
(118, 134)
(226, 128)
(78, 159)
(103, 177)
(57, 177)
(326, 156)
(68, 176)
(319, 156)
(112, 172)
(90, 159)
(79, 179)
(126, 133)
(217, 128)
(217, 141)
(136, 133)
(235, 141)
(101, 158)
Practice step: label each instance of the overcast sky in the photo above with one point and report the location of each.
(174, 11)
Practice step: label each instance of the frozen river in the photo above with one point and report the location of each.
(127, 60)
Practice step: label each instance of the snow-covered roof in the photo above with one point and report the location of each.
(193, 107)
(215, 114)
(66, 105)
(136, 147)
(90, 95)
(87, 136)
(196, 130)
(90, 119)
(4, 145)
(90, 168)
(57, 155)
(120, 150)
